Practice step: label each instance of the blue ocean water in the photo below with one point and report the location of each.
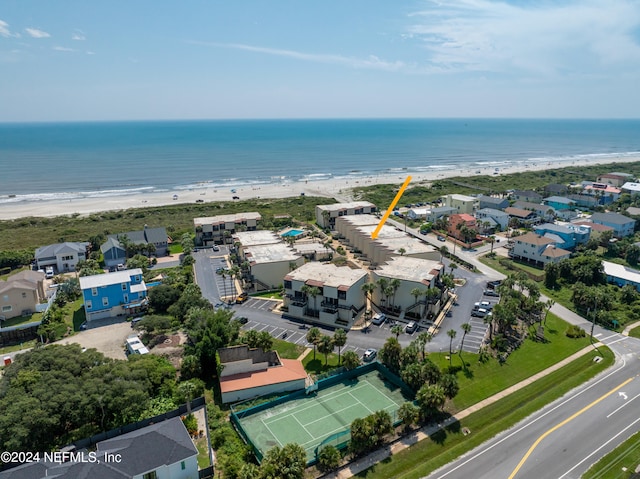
(69, 160)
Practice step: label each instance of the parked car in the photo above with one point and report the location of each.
(411, 328)
(441, 238)
(242, 297)
(135, 321)
(83, 326)
(378, 319)
(479, 313)
(216, 247)
(49, 272)
(490, 292)
(493, 284)
(483, 304)
(242, 320)
(369, 355)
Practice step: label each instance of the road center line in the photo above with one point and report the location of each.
(559, 425)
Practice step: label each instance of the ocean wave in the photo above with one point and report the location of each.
(70, 195)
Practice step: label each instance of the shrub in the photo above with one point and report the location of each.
(574, 331)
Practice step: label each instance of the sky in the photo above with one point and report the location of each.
(76, 60)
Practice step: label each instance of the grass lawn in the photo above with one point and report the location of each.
(635, 332)
(269, 295)
(626, 455)
(29, 318)
(203, 453)
(317, 365)
(175, 248)
(430, 454)
(17, 347)
(287, 350)
(482, 380)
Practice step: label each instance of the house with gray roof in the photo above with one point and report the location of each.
(526, 195)
(622, 225)
(492, 202)
(62, 257)
(155, 236)
(495, 218)
(162, 450)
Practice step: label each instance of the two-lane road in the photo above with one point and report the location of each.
(563, 439)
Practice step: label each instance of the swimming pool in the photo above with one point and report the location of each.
(293, 233)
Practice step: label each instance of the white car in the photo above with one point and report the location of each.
(48, 272)
(411, 327)
(369, 355)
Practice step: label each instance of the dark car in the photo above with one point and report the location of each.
(441, 238)
(135, 321)
(493, 284)
(242, 320)
(490, 292)
(235, 197)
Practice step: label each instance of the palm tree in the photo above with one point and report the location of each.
(466, 327)
(402, 251)
(383, 283)
(453, 266)
(314, 292)
(223, 272)
(548, 305)
(452, 334)
(397, 330)
(424, 338)
(444, 251)
(325, 346)
(368, 289)
(394, 285)
(416, 293)
(339, 340)
(313, 337)
(492, 240)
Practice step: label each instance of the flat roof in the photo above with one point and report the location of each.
(619, 271)
(358, 220)
(258, 237)
(410, 245)
(313, 247)
(270, 253)
(345, 206)
(117, 277)
(232, 218)
(410, 269)
(289, 370)
(456, 196)
(328, 274)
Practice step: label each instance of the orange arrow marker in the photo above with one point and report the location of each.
(375, 232)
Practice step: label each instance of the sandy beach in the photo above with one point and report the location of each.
(340, 189)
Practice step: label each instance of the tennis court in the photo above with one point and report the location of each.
(308, 420)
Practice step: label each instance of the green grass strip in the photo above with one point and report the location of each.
(619, 463)
(443, 447)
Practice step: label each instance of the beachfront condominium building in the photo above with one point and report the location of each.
(113, 294)
(462, 203)
(269, 263)
(356, 231)
(537, 249)
(325, 293)
(212, 230)
(408, 287)
(326, 214)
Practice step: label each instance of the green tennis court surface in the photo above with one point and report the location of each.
(308, 420)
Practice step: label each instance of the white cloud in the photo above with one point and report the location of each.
(371, 62)
(35, 33)
(4, 30)
(63, 49)
(78, 35)
(542, 37)
(89, 52)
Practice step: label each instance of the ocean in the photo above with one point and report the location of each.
(44, 161)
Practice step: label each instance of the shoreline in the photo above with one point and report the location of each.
(338, 188)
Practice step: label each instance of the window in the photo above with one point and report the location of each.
(287, 284)
(124, 286)
(105, 301)
(150, 475)
(6, 308)
(183, 465)
(89, 304)
(24, 295)
(137, 278)
(94, 291)
(125, 298)
(342, 295)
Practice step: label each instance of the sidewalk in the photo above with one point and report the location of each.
(381, 454)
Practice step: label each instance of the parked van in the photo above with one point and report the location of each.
(48, 272)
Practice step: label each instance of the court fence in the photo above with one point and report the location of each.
(340, 439)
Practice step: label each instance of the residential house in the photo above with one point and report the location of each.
(524, 217)
(537, 249)
(456, 223)
(250, 373)
(412, 275)
(621, 275)
(584, 201)
(622, 226)
(147, 236)
(269, 263)
(113, 294)
(605, 194)
(339, 299)
(492, 202)
(162, 450)
(62, 257)
(633, 211)
(614, 179)
(326, 214)
(526, 195)
(212, 230)
(498, 220)
(113, 253)
(559, 203)
(418, 213)
(565, 236)
(440, 212)
(545, 212)
(631, 188)
(596, 229)
(21, 294)
(462, 203)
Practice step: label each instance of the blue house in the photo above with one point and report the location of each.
(113, 252)
(565, 237)
(622, 226)
(559, 202)
(113, 294)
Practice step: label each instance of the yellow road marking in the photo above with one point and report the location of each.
(558, 426)
(375, 233)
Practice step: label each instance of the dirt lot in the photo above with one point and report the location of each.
(107, 336)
